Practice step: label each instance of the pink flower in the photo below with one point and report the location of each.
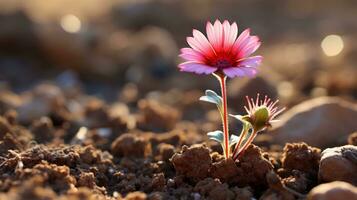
(222, 52)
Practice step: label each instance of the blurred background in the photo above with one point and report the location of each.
(129, 49)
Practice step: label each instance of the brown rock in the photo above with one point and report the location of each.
(58, 177)
(299, 181)
(352, 139)
(13, 137)
(245, 193)
(89, 155)
(165, 151)
(84, 193)
(44, 100)
(9, 142)
(333, 191)
(9, 101)
(192, 162)
(30, 189)
(5, 127)
(43, 130)
(136, 196)
(159, 196)
(96, 114)
(276, 188)
(321, 122)
(86, 179)
(300, 156)
(11, 116)
(339, 164)
(131, 145)
(156, 116)
(173, 137)
(158, 182)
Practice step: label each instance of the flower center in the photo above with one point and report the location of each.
(222, 61)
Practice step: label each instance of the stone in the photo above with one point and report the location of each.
(352, 139)
(332, 191)
(136, 196)
(321, 122)
(43, 100)
(339, 164)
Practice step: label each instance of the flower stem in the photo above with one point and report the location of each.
(222, 80)
(246, 145)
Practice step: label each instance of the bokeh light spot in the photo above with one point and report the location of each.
(70, 23)
(332, 45)
(285, 89)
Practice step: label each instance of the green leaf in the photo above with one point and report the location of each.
(233, 140)
(238, 117)
(246, 129)
(212, 97)
(216, 135)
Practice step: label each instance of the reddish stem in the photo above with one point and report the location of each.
(239, 143)
(246, 145)
(222, 79)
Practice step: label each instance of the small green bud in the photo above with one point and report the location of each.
(260, 118)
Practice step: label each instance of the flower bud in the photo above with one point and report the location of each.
(260, 118)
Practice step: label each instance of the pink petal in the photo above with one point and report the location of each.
(226, 33)
(250, 71)
(230, 34)
(211, 34)
(233, 34)
(232, 72)
(187, 50)
(215, 35)
(191, 55)
(249, 47)
(197, 68)
(251, 40)
(251, 61)
(200, 38)
(241, 41)
(196, 45)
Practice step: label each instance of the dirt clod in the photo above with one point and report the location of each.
(252, 168)
(192, 162)
(213, 189)
(300, 156)
(225, 170)
(156, 116)
(131, 146)
(165, 151)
